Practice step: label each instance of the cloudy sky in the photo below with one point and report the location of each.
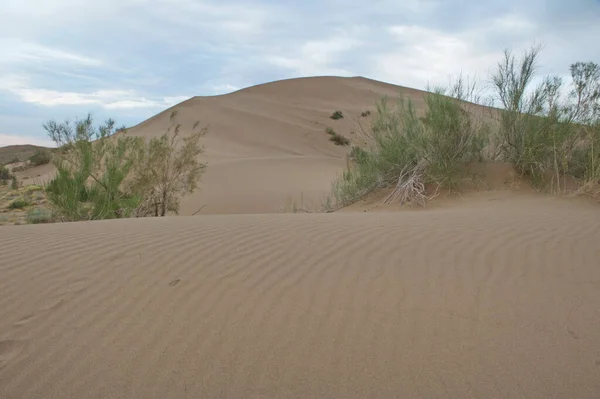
(130, 59)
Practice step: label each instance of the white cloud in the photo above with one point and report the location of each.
(420, 56)
(13, 139)
(108, 99)
(21, 52)
(224, 88)
(317, 57)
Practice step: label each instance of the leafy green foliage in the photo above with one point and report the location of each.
(337, 115)
(546, 137)
(436, 146)
(4, 174)
(337, 138)
(40, 157)
(91, 172)
(19, 203)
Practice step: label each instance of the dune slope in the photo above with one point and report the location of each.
(498, 301)
(267, 143)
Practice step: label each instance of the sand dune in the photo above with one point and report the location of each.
(267, 143)
(500, 300)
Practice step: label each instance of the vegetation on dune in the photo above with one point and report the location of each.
(168, 168)
(4, 175)
(336, 138)
(40, 157)
(337, 115)
(39, 215)
(409, 152)
(101, 175)
(547, 138)
(19, 203)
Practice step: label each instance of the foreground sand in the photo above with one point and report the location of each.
(497, 301)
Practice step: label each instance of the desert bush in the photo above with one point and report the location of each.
(337, 115)
(19, 203)
(39, 215)
(337, 138)
(546, 137)
(90, 178)
(410, 152)
(103, 176)
(168, 168)
(364, 114)
(14, 160)
(14, 184)
(40, 157)
(4, 174)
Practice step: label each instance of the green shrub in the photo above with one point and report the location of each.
(337, 138)
(39, 215)
(15, 184)
(103, 176)
(41, 157)
(4, 174)
(19, 203)
(410, 152)
(337, 115)
(545, 137)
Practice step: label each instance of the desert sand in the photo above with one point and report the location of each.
(489, 295)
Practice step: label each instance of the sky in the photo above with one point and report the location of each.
(131, 59)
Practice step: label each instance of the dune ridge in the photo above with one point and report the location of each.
(497, 301)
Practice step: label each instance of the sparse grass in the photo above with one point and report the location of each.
(337, 115)
(337, 138)
(14, 204)
(19, 203)
(32, 188)
(39, 215)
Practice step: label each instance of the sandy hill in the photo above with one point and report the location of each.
(18, 152)
(267, 144)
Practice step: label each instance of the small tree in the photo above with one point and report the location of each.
(92, 167)
(168, 168)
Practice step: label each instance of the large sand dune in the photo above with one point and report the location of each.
(496, 301)
(267, 144)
